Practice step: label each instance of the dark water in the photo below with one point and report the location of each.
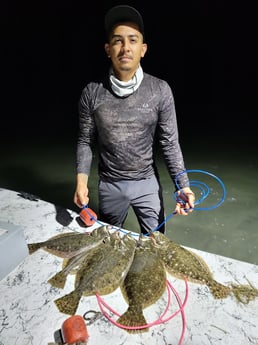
(45, 167)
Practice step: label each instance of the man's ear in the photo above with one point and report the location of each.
(107, 50)
(144, 49)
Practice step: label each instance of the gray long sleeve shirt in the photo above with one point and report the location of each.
(125, 129)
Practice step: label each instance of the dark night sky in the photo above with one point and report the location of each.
(204, 49)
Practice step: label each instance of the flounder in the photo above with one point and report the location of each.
(143, 285)
(70, 266)
(183, 263)
(67, 245)
(101, 272)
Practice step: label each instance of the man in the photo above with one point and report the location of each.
(124, 114)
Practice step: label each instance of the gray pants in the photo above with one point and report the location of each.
(144, 196)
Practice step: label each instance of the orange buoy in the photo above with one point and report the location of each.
(74, 330)
(88, 216)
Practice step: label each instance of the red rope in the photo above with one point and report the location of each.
(161, 319)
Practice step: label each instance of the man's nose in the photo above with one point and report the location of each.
(126, 45)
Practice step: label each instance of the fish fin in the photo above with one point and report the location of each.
(57, 252)
(65, 262)
(65, 234)
(68, 304)
(133, 318)
(123, 291)
(244, 293)
(58, 280)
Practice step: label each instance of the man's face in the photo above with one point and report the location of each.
(125, 48)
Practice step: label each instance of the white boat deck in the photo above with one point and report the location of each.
(29, 316)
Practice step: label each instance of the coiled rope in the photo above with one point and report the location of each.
(204, 191)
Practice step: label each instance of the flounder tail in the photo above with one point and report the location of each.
(244, 293)
(68, 304)
(219, 290)
(134, 319)
(33, 247)
(58, 280)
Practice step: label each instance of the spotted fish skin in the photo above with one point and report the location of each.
(67, 245)
(143, 285)
(70, 266)
(102, 272)
(183, 263)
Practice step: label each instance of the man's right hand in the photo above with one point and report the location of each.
(81, 197)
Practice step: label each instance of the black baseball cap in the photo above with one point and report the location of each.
(123, 13)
